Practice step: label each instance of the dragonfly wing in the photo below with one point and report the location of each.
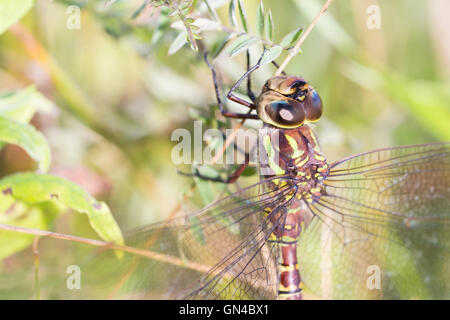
(381, 230)
(220, 252)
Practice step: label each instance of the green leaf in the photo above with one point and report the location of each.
(232, 13)
(211, 10)
(12, 11)
(249, 171)
(185, 6)
(240, 44)
(191, 40)
(204, 188)
(205, 24)
(179, 42)
(16, 213)
(139, 10)
(269, 26)
(23, 104)
(12, 242)
(271, 55)
(260, 20)
(28, 138)
(34, 189)
(291, 38)
(243, 15)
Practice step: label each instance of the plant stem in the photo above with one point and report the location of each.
(36, 267)
(300, 41)
(109, 245)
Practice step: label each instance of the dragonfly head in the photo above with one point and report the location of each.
(288, 102)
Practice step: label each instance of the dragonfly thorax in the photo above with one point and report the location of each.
(294, 153)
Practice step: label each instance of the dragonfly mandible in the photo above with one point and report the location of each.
(373, 225)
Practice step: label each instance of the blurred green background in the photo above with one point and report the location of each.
(119, 95)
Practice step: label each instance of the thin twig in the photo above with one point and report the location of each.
(295, 50)
(149, 243)
(36, 267)
(109, 245)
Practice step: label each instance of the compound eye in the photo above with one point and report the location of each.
(313, 106)
(291, 86)
(286, 113)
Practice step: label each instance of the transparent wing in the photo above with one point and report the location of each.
(382, 228)
(220, 252)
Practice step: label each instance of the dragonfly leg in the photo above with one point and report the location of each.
(224, 112)
(230, 179)
(250, 93)
(233, 97)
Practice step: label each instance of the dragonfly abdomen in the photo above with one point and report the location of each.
(286, 237)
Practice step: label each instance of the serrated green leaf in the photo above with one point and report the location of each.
(240, 44)
(260, 20)
(28, 138)
(12, 11)
(243, 15)
(232, 13)
(292, 37)
(34, 189)
(271, 55)
(179, 42)
(269, 26)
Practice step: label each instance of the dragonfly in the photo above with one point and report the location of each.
(370, 226)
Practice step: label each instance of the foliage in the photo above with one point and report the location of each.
(103, 101)
(24, 195)
(12, 11)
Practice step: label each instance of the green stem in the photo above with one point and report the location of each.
(37, 285)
